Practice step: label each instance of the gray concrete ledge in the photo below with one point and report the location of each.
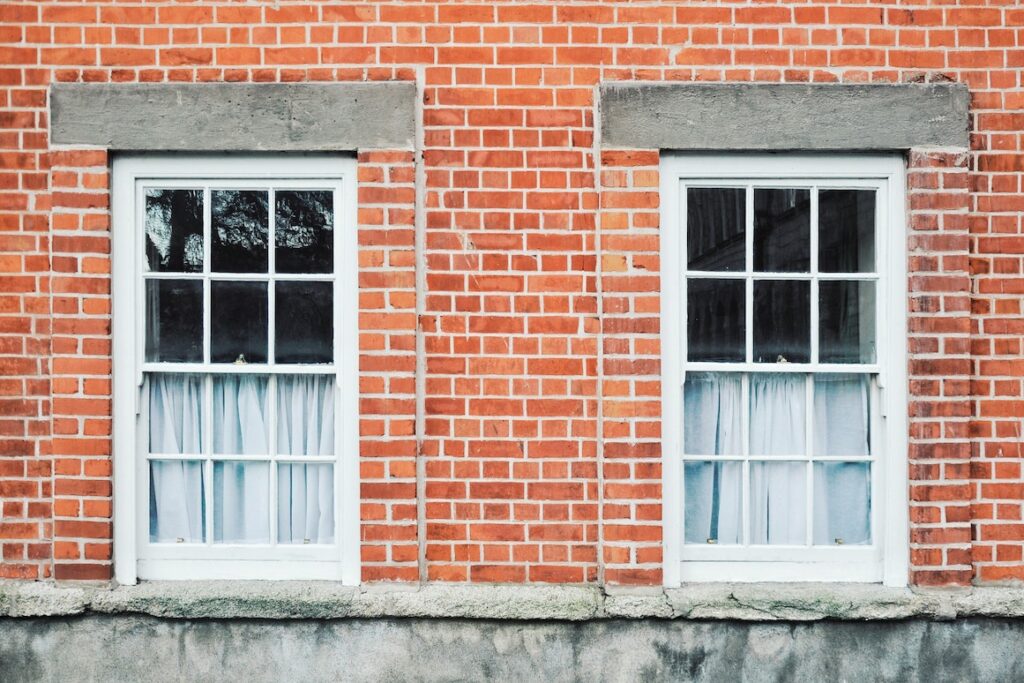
(325, 600)
(234, 116)
(783, 116)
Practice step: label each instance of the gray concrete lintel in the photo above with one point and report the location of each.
(326, 600)
(200, 117)
(784, 116)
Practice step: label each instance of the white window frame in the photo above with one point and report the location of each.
(134, 556)
(886, 560)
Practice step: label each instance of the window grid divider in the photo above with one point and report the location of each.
(750, 367)
(207, 370)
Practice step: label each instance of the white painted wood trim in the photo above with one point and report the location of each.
(887, 560)
(134, 557)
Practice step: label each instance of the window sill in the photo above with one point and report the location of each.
(326, 600)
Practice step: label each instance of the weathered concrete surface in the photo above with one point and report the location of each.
(137, 648)
(234, 116)
(789, 116)
(326, 600)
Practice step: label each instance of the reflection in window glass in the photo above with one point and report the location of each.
(715, 315)
(782, 321)
(240, 230)
(238, 322)
(304, 231)
(174, 321)
(846, 315)
(305, 322)
(782, 230)
(846, 231)
(174, 230)
(716, 228)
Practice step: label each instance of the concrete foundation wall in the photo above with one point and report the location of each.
(143, 648)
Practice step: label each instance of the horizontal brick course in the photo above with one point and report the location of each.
(510, 413)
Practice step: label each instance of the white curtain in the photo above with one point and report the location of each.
(778, 489)
(241, 489)
(305, 426)
(778, 417)
(175, 486)
(712, 405)
(842, 490)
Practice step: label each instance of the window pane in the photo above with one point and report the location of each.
(240, 415)
(174, 321)
(305, 504)
(782, 230)
(177, 508)
(304, 231)
(842, 503)
(305, 415)
(778, 511)
(714, 502)
(842, 417)
(846, 318)
(174, 230)
(778, 414)
(846, 231)
(715, 314)
(238, 320)
(240, 229)
(175, 413)
(715, 228)
(305, 322)
(241, 502)
(782, 321)
(712, 414)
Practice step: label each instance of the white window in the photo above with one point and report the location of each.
(235, 368)
(784, 322)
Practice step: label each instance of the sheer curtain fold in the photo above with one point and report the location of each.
(305, 494)
(176, 508)
(777, 488)
(778, 416)
(842, 490)
(713, 426)
(241, 489)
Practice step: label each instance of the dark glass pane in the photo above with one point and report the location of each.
(846, 314)
(714, 502)
(782, 321)
(715, 312)
(304, 231)
(715, 228)
(174, 321)
(305, 322)
(846, 231)
(842, 503)
(174, 230)
(238, 320)
(240, 229)
(782, 230)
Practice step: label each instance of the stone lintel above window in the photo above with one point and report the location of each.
(201, 117)
(784, 116)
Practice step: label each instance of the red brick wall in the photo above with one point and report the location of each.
(538, 341)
